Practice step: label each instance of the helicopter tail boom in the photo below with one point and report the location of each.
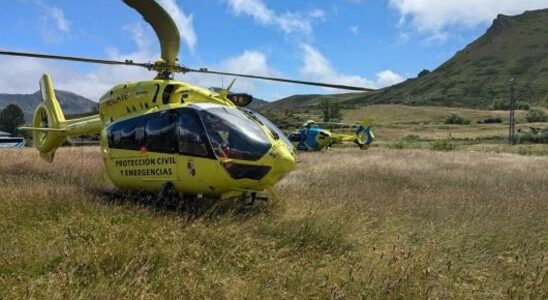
(50, 128)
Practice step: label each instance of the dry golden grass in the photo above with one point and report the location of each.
(346, 224)
(393, 122)
(386, 114)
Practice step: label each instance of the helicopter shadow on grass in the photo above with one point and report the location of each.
(187, 207)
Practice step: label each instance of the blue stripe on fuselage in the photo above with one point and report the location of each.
(311, 141)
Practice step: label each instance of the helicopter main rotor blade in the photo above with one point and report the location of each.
(163, 25)
(73, 58)
(182, 69)
(328, 85)
(339, 124)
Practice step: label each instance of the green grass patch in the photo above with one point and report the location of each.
(444, 145)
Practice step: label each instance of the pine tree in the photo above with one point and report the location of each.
(11, 118)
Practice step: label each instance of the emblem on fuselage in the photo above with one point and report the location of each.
(191, 169)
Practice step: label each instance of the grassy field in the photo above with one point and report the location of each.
(422, 115)
(419, 127)
(346, 224)
(393, 122)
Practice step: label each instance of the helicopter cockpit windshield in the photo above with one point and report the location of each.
(233, 134)
(277, 132)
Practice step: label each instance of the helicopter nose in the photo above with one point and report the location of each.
(285, 160)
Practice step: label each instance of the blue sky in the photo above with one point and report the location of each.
(373, 43)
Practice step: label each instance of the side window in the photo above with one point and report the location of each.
(127, 135)
(191, 135)
(114, 135)
(167, 93)
(160, 133)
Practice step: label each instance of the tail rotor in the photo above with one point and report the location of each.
(48, 118)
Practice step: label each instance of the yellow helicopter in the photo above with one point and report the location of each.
(164, 134)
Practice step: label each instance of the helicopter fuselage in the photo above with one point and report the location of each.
(165, 131)
(168, 131)
(311, 139)
(314, 138)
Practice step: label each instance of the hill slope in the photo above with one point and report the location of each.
(513, 47)
(294, 101)
(256, 104)
(70, 103)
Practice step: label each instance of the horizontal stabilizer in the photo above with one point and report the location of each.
(42, 129)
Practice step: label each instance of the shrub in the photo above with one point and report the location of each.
(536, 115)
(522, 105)
(531, 137)
(444, 145)
(501, 104)
(455, 118)
(517, 70)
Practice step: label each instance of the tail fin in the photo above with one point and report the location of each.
(50, 129)
(50, 101)
(364, 137)
(48, 118)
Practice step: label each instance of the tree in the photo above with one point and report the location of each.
(11, 118)
(501, 104)
(330, 110)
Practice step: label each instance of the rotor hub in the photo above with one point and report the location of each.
(166, 70)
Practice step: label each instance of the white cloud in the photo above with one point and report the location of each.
(289, 22)
(354, 29)
(93, 84)
(55, 25)
(58, 16)
(435, 17)
(294, 23)
(254, 8)
(317, 13)
(144, 51)
(184, 23)
(249, 62)
(388, 78)
(26, 72)
(317, 67)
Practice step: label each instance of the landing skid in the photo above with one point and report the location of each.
(250, 198)
(168, 198)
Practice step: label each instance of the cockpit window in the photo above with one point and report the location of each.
(277, 131)
(193, 131)
(233, 134)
